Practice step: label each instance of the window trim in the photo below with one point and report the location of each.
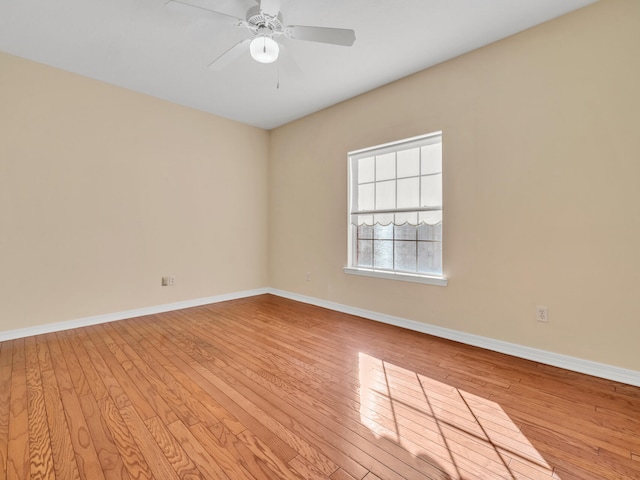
(352, 269)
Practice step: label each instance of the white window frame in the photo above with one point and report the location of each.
(378, 150)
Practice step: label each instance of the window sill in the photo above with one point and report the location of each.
(405, 277)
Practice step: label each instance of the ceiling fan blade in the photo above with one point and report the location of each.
(335, 36)
(202, 12)
(270, 7)
(230, 55)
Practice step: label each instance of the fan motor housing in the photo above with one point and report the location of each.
(259, 21)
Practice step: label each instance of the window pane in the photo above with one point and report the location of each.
(430, 232)
(366, 170)
(409, 193)
(366, 197)
(405, 232)
(365, 253)
(365, 232)
(405, 256)
(430, 258)
(383, 254)
(431, 158)
(431, 194)
(385, 166)
(386, 195)
(409, 163)
(383, 231)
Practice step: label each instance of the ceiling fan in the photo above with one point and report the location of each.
(265, 24)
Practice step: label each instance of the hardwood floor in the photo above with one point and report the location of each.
(264, 388)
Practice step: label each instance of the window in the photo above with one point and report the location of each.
(395, 210)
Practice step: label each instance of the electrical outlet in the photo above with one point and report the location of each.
(172, 280)
(168, 281)
(542, 314)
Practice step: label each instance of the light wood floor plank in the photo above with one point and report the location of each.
(173, 451)
(5, 407)
(59, 362)
(148, 384)
(212, 460)
(64, 460)
(18, 446)
(179, 401)
(44, 354)
(341, 475)
(73, 365)
(150, 449)
(87, 460)
(94, 381)
(227, 448)
(272, 464)
(125, 386)
(111, 384)
(108, 455)
(40, 455)
(6, 353)
(132, 457)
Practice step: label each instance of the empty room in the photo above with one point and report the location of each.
(277, 239)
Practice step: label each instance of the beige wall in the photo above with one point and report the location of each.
(541, 182)
(103, 191)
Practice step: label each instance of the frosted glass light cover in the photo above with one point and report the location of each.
(264, 49)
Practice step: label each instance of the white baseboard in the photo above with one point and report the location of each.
(112, 317)
(630, 377)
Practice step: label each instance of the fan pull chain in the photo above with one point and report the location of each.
(278, 77)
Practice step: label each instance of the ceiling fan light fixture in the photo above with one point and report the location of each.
(264, 49)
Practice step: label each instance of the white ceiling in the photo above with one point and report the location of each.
(144, 46)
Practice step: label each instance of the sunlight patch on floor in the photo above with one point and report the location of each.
(462, 434)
